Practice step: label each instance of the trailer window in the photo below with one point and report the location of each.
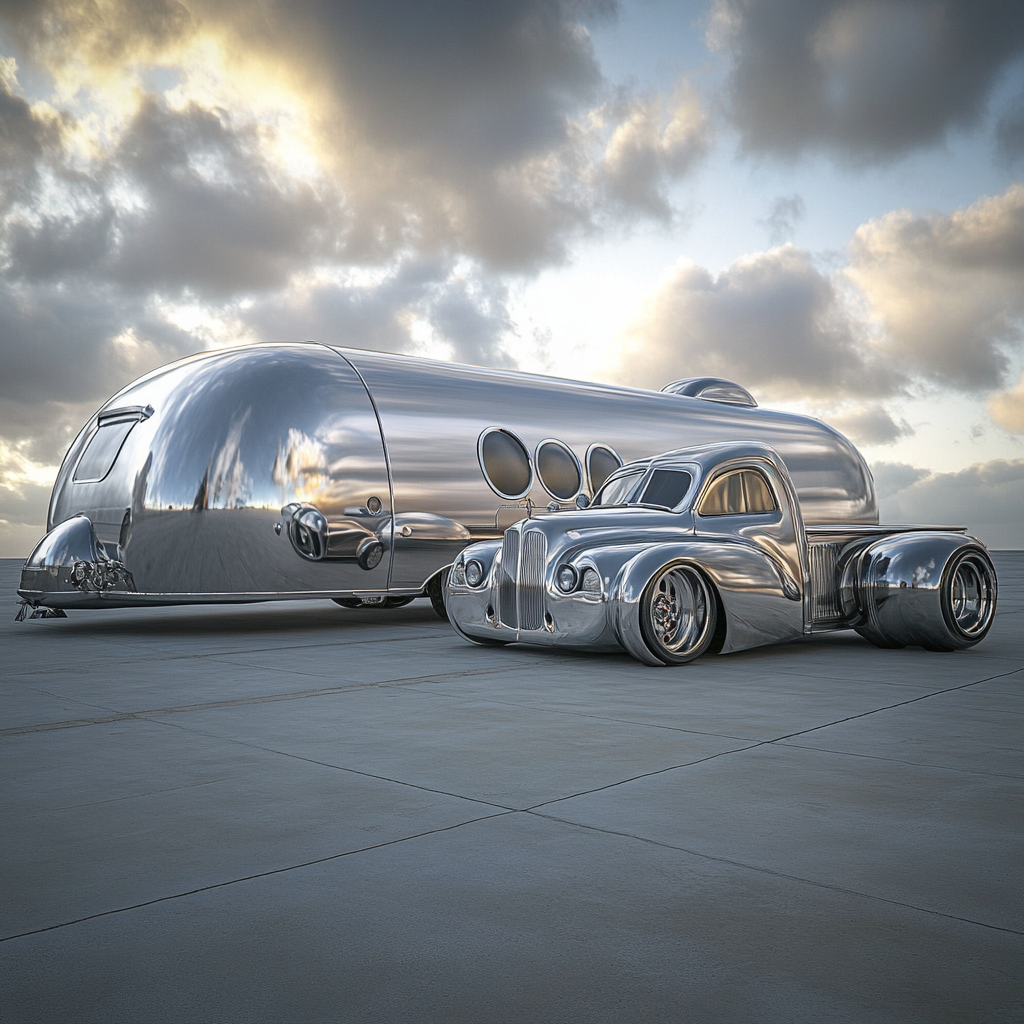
(102, 450)
(739, 493)
(666, 488)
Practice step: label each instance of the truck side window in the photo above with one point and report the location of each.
(666, 488)
(745, 491)
(759, 494)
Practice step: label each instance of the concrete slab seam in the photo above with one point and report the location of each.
(249, 878)
(123, 716)
(779, 874)
(902, 760)
(777, 739)
(336, 767)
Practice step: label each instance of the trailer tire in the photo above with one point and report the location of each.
(435, 591)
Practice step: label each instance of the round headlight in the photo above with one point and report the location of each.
(474, 572)
(566, 578)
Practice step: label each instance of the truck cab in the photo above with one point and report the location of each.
(704, 549)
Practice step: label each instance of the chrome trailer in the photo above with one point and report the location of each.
(309, 471)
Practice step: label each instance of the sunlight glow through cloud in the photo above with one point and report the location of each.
(478, 186)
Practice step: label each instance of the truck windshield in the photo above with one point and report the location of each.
(618, 489)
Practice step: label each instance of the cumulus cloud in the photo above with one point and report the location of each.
(986, 498)
(1007, 408)
(893, 477)
(947, 289)
(421, 305)
(786, 212)
(196, 173)
(446, 126)
(772, 321)
(871, 425)
(652, 143)
(865, 79)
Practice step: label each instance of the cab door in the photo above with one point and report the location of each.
(749, 503)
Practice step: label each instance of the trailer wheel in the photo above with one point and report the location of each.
(388, 602)
(678, 614)
(435, 591)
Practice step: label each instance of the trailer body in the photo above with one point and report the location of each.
(303, 470)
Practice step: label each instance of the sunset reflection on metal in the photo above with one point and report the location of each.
(303, 470)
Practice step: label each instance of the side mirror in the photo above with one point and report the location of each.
(582, 501)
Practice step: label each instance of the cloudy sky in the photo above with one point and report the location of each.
(820, 199)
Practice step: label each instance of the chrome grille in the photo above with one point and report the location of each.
(507, 613)
(531, 580)
(824, 585)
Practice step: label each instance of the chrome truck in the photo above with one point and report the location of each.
(707, 550)
(308, 471)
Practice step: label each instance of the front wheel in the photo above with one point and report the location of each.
(678, 614)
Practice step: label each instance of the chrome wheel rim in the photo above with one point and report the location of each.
(972, 596)
(679, 610)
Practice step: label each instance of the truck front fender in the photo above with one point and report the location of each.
(757, 599)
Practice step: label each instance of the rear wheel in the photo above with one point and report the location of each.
(876, 638)
(678, 614)
(968, 600)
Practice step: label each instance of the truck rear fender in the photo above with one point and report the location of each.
(931, 588)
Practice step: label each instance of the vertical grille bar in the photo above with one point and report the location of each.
(824, 585)
(531, 580)
(507, 612)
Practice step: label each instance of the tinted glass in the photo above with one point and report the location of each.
(738, 493)
(759, 495)
(506, 464)
(616, 491)
(725, 497)
(601, 463)
(558, 471)
(102, 450)
(666, 488)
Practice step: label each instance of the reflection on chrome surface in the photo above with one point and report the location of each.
(304, 470)
(728, 566)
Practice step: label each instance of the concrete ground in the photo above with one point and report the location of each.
(298, 812)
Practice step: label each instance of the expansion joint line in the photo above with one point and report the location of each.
(779, 874)
(775, 739)
(248, 878)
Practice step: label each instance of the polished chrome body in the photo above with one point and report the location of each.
(772, 578)
(294, 471)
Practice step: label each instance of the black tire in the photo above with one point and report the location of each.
(968, 600)
(435, 591)
(389, 602)
(678, 614)
(878, 640)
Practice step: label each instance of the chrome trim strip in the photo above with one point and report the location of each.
(508, 614)
(824, 584)
(533, 555)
